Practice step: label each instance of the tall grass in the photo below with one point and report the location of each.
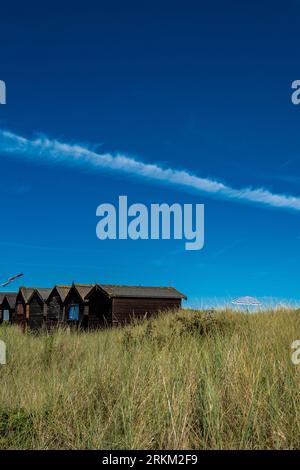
(185, 380)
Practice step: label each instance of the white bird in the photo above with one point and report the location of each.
(10, 279)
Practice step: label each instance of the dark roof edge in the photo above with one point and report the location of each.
(57, 287)
(130, 296)
(37, 291)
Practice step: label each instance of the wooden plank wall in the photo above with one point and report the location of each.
(36, 313)
(99, 310)
(124, 309)
(20, 313)
(55, 310)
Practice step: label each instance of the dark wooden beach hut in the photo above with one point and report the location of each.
(56, 305)
(22, 306)
(118, 305)
(76, 306)
(98, 307)
(31, 306)
(7, 306)
(38, 307)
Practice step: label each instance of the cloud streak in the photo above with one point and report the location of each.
(42, 149)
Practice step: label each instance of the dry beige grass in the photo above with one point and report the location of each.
(182, 381)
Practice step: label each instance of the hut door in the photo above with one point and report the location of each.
(6, 315)
(74, 312)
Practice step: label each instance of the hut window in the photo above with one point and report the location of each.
(6, 315)
(74, 312)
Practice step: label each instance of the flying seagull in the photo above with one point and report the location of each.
(10, 279)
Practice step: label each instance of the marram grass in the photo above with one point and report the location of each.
(184, 380)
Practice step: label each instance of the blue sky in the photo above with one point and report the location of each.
(198, 87)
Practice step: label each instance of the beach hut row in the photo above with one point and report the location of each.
(85, 305)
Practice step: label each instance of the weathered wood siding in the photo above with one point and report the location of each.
(20, 313)
(36, 312)
(55, 309)
(99, 307)
(19, 316)
(125, 309)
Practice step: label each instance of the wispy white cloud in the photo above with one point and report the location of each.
(42, 149)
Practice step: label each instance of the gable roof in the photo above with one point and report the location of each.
(82, 290)
(2, 295)
(10, 297)
(42, 292)
(28, 292)
(138, 291)
(110, 290)
(62, 292)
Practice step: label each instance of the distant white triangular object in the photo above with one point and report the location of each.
(246, 301)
